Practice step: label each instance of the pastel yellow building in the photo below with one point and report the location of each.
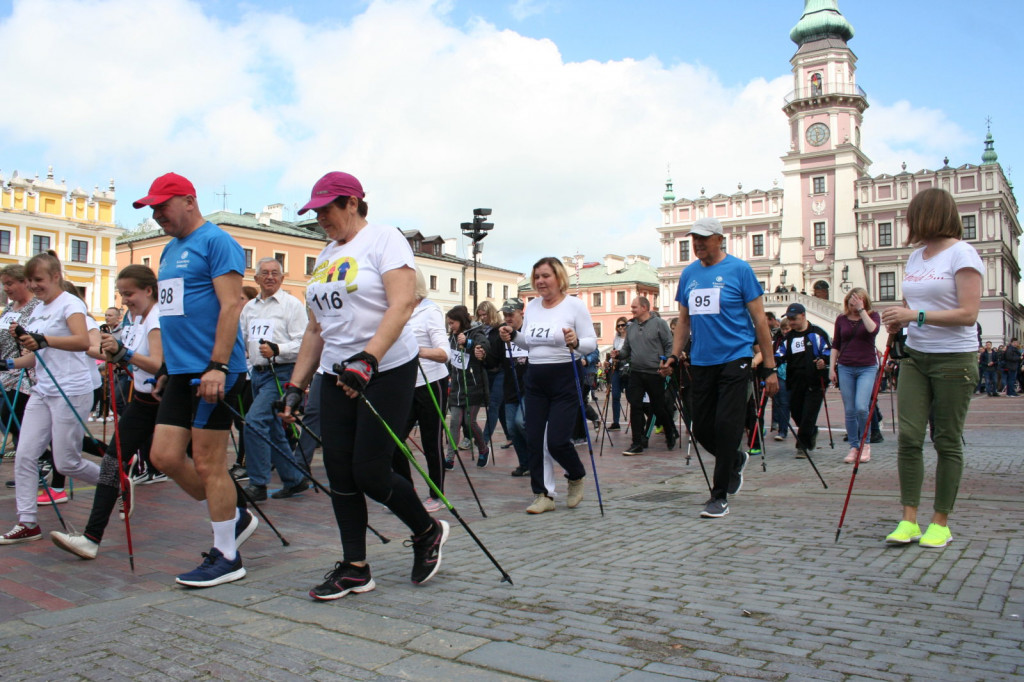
(37, 215)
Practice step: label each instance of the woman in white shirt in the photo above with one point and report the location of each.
(942, 291)
(362, 294)
(555, 325)
(140, 346)
(56, 333)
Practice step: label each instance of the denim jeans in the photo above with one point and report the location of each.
(620, 383)
(991, 381)
(1010, 381)
(516, 423)
(495, 412)
(855, 385)
(263, 425)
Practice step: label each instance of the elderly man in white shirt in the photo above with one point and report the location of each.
(272, 327)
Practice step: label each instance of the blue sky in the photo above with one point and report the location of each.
(560, 115)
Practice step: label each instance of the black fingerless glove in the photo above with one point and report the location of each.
(292, 399)
(38, 338)
(274, 348)
(119, 354)
(357, 371)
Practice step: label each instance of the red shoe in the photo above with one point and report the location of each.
(59, 497)
(20, 533)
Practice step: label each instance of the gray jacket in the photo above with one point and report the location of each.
(646, 343)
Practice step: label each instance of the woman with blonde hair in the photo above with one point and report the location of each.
(854, 365)
(942, 291)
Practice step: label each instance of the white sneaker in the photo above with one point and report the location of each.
(77, 544)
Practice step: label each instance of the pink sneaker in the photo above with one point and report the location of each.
(59, 497)
(852, 457)
(865, 454)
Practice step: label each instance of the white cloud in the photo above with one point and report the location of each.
(524, 9)
(435, 119)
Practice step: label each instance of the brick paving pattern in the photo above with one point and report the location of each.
(649, 592)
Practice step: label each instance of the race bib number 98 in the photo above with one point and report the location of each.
(705, 301)
(172, 296)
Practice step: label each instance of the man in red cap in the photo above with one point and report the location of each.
(200, 282)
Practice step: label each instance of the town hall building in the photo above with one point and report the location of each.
(832, 225)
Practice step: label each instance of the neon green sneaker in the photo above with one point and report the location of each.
(936, 536)
(904, 534)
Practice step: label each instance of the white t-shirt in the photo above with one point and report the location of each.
(347, 297)
(931, 285)
(97, 378)
(542, 330)
(73, 369)
(135, 337)
(427, 325)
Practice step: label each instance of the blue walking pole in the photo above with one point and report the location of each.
(583, 413)
(10, 405)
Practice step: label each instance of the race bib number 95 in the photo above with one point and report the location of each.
(171, 296)
(705, 301)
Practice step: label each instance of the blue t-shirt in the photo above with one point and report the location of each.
(717, 298)
(188, 302)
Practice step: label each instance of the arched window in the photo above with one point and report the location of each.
(815, 84)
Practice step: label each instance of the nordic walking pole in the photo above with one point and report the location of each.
(124, 485)
(291, 460)
(828, 422)
(280, 391)
(586, 429)
(451, 439)
(11, 405)
(796, 429)
(505, 577)
(757, 427)
(467, 423)
(42, 479)
(689, 434)
(604, 418)
(866, 434)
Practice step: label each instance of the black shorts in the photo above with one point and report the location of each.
(181, 407)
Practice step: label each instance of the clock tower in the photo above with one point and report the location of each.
(825, 110)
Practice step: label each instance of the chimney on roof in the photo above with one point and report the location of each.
(450, 247)
(613, 263)
(271, 212)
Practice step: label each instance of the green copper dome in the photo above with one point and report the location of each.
(669, 194)
(989, 155)
(821, 19)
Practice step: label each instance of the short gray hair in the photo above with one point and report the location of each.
(268, 259)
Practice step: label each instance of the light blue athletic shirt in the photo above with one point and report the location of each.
(188, 302)
(717, 298)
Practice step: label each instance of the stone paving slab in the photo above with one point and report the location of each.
(649, 592)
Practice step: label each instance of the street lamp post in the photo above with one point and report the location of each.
(476, 231)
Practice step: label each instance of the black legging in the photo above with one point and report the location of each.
(431, 433)
(135, 427)
(553, 402)
(357, 455)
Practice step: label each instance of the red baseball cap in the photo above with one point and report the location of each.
(165, 187)
(331, 186)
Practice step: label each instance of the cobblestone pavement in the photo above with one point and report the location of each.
(647, 592)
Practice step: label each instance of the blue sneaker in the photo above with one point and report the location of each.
(244, 526)
(214, 570)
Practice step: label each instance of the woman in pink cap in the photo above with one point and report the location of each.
(362, 293)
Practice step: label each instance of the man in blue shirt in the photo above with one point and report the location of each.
(720, 304)
(200, 290)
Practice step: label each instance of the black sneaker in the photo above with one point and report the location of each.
(633, 450)
(671, 439)
(256, 493)
(715, 509)
(341, 580)
(426, 551)
(876, 438)
(238, 472)
(290, 491)
(520, 471)
(614, 427)
(736, 479)
(244, 526)
(481, 460)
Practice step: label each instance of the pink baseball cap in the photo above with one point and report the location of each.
(331, 186)
(165, 187)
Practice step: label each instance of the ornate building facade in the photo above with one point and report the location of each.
(833, 225)
(37, 215)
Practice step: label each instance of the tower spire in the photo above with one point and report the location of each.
(989, 155)
(821, 19)
(669, 194)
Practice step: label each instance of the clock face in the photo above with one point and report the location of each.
(817, 134)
